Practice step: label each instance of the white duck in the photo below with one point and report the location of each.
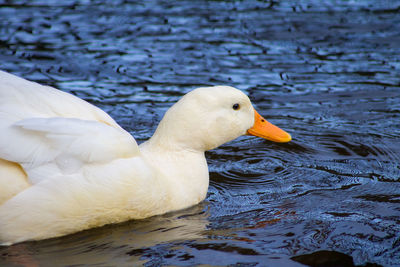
(66, 166)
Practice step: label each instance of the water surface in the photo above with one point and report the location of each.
(325, 71)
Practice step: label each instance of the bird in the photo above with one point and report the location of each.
(67, 166)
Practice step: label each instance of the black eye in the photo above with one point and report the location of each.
(236, 106)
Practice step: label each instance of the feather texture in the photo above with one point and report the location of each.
(66, 166)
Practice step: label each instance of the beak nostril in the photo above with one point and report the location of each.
(262, 120)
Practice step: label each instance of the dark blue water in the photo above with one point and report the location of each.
(328, 72)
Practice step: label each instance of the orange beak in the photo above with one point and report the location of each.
(264, 129)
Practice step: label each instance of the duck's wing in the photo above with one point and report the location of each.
(49, 132)
(47, 147)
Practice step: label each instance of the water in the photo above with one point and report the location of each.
(325, 71)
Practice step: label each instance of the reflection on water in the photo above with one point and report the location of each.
(120, 244)
(325, 71)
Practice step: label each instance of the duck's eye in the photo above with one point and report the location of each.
(236, 106)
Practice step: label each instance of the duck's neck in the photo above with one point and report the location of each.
(183, 172)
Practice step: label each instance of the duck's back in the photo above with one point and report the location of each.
(21, 99)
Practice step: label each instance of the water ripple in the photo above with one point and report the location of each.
(327, 72)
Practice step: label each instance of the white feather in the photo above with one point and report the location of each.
(66, 166)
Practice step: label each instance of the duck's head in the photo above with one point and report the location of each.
(208, 117)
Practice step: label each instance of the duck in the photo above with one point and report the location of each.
(67, 166)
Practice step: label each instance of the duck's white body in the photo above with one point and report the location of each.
(67, 166)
